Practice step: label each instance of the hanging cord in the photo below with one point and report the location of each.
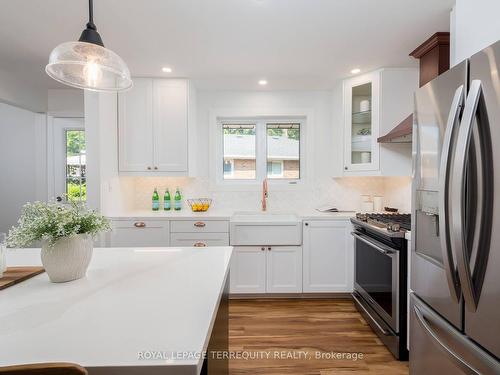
(91, 24)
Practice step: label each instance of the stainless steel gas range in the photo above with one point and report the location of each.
(380, 276)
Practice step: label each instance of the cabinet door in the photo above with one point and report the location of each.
(328, 257)
(170, 125)
(284, 269)
(138, 233)
(361, 116)
(135, 127)
(248, 270)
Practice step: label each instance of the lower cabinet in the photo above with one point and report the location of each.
(266, 269)
(328, 256)
(138, 233)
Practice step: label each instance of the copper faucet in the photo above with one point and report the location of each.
(264, 194)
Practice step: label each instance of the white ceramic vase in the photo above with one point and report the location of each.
(68, 258)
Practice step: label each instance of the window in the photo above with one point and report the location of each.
(70, 165)
(274, 169)
(239, 152)
(76, 186)
(254, 149)
(283, 151)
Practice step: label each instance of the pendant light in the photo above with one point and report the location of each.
(87, 64)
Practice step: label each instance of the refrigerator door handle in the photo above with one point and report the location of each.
(471, 286)
(455, 356)
(444, 194)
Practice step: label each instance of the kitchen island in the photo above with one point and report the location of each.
(138, 311)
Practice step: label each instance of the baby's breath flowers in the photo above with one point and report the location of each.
(48, 222)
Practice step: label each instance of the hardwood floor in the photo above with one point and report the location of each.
(281, 328)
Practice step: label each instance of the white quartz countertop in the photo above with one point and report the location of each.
(133, 300)
(187, 214)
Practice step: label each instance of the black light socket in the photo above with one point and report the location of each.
(90, 35)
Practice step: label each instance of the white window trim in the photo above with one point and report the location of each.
(218, 116)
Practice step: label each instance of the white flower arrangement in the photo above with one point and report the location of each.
(51, 221)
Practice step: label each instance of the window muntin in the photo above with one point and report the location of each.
(239, 154)
(283, 150)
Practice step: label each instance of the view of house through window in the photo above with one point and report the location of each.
(283, 151)
(264, 148)
(239, 152)
(76, 186)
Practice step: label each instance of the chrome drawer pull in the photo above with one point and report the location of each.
(140, 224)
(200, 244)
(199, 224)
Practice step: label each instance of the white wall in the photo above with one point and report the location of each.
(326, 152)
(106, 191)
(65, 103)
(474, 26)
(21, 156)
(316, 102)
(22, 94)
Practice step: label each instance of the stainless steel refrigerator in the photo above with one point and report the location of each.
(455, 249)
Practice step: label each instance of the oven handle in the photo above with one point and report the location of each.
(381, 248)
(384, 331)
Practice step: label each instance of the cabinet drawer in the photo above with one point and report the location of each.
(139, 224)
(139, 233)
(199, 226)
(199, 239)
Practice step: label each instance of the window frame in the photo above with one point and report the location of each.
(261, 123)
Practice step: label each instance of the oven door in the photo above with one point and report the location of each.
(376, 277)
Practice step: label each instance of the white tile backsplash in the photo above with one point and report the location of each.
(343, 193)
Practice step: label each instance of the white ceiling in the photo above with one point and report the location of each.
(227, 44)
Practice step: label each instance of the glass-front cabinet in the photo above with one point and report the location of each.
(361, 116)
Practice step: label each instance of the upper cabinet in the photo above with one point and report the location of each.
(361, 98)
(154, 128)
(373, 104)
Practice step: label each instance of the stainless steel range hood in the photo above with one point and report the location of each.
(400, 134)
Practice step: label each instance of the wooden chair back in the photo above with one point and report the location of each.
(44, 369)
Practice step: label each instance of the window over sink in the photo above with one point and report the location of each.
(258, 148)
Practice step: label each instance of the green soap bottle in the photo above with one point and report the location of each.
(156, 200)
(178, 200)
(166, 201)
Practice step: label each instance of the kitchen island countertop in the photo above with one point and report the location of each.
(133, 303)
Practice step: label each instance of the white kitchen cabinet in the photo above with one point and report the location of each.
(199, 233)
(199, 239)
(135, 127)
(328, 256)
(361, 122)
(153, 128)
(284, 269)
(170, 125)
(139, 233)
(248, 270)
(266, 269)
(373, 104)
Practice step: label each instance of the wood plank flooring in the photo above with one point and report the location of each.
(280, 328)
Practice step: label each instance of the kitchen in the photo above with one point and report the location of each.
(301, 225)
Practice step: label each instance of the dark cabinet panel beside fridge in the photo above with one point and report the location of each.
(455, 278)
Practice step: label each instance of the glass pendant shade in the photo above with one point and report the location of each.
(88, 66)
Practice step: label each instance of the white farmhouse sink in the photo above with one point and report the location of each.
(262, 228)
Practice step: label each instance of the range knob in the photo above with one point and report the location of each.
(393, 227)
